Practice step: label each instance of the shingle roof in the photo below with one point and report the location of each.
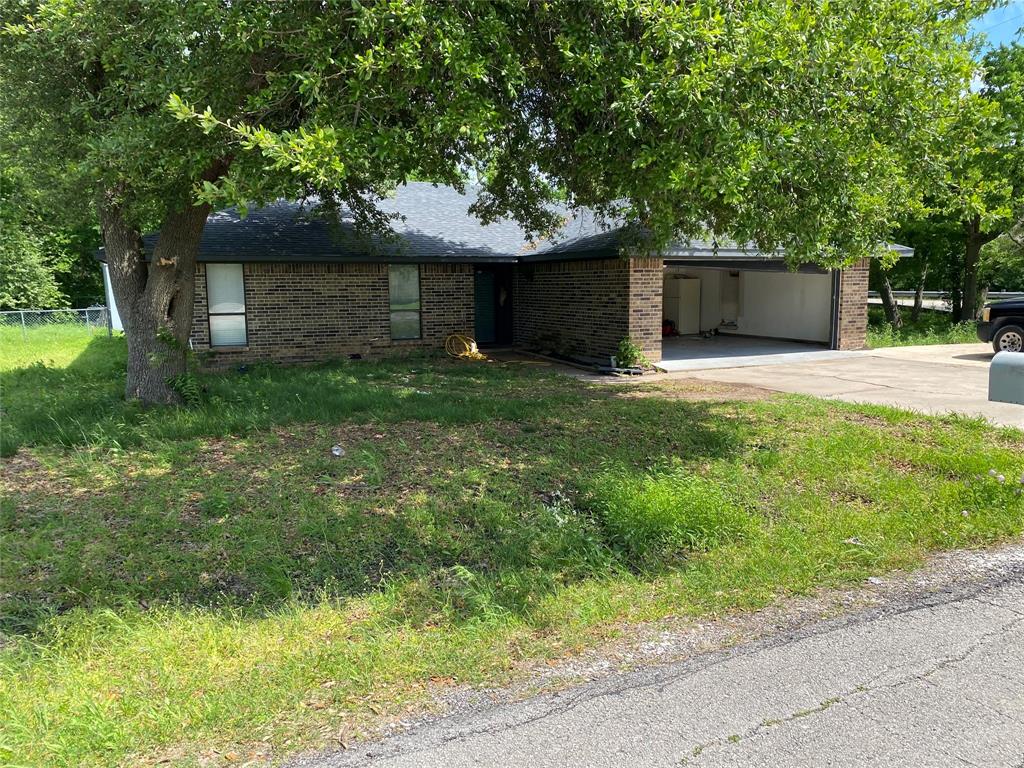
(434, 225)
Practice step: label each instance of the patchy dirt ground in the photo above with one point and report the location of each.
(663, 385)
(693, 390)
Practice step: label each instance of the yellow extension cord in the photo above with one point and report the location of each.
(458, 345)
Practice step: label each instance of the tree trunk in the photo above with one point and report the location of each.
(889, 303)
(915, 313)
(154, 299)
(975, 239)
(971, 257)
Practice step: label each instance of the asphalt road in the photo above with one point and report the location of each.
(935, 681)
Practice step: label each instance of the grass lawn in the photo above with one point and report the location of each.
(56, 344)
(202, 586)
(932, 327)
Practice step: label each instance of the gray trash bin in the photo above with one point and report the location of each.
(1006, 378)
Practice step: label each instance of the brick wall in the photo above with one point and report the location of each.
(306, 312)
(646, 284)
(583, 309)
(853, 306)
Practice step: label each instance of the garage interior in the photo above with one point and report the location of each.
(757, 313)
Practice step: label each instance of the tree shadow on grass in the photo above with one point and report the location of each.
(461, 491)
(82, 404)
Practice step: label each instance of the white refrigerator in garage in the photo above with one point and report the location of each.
(681, 303)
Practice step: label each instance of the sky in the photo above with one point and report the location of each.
(1002, 25)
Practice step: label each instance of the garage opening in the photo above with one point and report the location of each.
(756, 314)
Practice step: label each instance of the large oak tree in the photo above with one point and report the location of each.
(794, 124)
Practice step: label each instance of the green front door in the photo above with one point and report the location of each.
(486, 314)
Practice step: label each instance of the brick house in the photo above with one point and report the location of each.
(284, 286)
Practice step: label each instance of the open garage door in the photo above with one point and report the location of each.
(745, 310)
(752, 302)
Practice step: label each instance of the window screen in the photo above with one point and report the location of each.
(225, 299)
(404, 290)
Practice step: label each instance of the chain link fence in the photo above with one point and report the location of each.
(24, 323)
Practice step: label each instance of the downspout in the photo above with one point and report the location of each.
(837, 284)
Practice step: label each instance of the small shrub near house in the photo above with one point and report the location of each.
(631, 355)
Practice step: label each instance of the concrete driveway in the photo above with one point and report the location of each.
(939, 379)
(696, 353)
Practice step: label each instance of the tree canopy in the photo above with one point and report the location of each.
(26, 280)
(988, 171)
(977, 194)
(800, 125)
(47, 264)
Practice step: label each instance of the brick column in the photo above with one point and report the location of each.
(853, 306)
(646, 284)
(200, 335)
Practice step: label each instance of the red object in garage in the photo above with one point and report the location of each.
(668, 328)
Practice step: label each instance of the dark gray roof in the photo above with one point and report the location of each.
(433, 224)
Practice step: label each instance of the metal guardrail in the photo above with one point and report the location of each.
(95, 319)
(992, 295)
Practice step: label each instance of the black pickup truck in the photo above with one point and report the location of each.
(1002, 323)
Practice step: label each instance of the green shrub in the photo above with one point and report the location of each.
(10, 441)
(187, 385)
(665, 512)
(630, 355)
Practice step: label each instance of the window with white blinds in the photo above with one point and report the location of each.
(404, 293)
(225, 299)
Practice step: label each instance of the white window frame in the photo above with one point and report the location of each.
(243, 314)
(419, 304)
